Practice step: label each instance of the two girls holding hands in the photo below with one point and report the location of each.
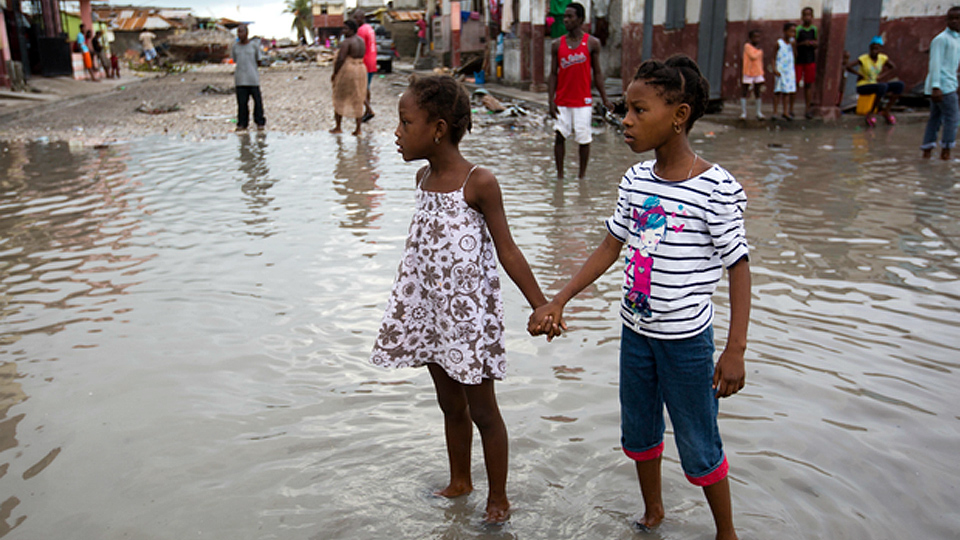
(681, 219)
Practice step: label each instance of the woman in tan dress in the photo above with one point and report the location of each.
(349, 78)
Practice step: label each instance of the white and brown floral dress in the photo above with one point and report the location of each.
(445, 307)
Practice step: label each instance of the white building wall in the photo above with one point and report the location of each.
(895, 9)
(780, 10)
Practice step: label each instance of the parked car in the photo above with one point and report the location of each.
(386, 51)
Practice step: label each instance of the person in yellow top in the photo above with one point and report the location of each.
(752, 73)
(874, 71)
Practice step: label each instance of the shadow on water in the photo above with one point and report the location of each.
(184, 331)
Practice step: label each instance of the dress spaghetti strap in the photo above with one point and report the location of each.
(426, 173)
(464, 184)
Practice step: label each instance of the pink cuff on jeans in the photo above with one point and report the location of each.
(711, 478)
(646, 455)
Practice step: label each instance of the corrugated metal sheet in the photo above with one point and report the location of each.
(143, 21)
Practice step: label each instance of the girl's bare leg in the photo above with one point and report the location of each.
(493, 434)
(648, 472)
(336, 119)
(357, 131)
(457, 429)
(718, 497)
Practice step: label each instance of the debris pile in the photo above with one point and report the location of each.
(201, 46)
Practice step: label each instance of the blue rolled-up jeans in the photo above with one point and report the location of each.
(945, 113)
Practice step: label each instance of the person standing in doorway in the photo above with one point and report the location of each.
(807, 36)
(575, 63)
(149, 51)
(246, 56)
(941, 86)
(365, 31)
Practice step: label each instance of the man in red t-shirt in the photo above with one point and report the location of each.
(365, 31)
(575, 67)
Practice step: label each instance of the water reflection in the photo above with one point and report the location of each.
(256, 182)
(355, 176)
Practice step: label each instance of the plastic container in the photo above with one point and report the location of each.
(865, 104)
(480, 77)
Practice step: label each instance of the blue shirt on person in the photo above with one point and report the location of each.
(944, 60)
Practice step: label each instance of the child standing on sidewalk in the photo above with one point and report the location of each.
(445, 310)
(785, 89)
(807, 36)
(682, 221)
(752, 73)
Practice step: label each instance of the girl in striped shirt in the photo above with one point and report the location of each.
(681, 219)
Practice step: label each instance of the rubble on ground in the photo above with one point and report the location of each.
(201, 46)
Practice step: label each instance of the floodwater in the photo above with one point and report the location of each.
(185, 326)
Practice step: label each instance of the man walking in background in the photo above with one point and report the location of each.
(575, 62)
(246, 56)
(149, 51)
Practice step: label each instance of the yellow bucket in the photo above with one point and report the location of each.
(865, 104)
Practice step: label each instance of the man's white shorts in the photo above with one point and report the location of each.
(574, 121)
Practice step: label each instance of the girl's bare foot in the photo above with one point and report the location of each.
(945, 154)
(651, 520)
(335, 131)
(356, 133)
(497, 512)
(927, 152)
(455, 490)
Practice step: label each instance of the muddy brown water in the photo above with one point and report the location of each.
(185, 328)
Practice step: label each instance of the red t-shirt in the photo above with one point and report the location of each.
(574, 74)
(370, 40)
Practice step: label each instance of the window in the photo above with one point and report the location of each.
(676, 14)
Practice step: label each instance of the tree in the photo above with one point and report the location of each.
(302, 11)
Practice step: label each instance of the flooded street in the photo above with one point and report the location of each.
(186, 325)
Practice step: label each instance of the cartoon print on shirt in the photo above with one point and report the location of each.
(649, 230)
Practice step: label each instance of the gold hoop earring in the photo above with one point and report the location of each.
(436, 140)
(677, 129)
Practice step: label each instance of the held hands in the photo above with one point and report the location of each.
(547, 319)
(729, 376)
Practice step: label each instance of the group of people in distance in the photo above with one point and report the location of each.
(681, 219)
(353, 70)
(96, 54)
(795, 63)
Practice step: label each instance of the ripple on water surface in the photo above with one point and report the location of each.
(185, 328)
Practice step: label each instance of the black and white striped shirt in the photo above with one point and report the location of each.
(680, 235)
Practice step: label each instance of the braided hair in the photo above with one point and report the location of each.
(680, 81)
(444, 99)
